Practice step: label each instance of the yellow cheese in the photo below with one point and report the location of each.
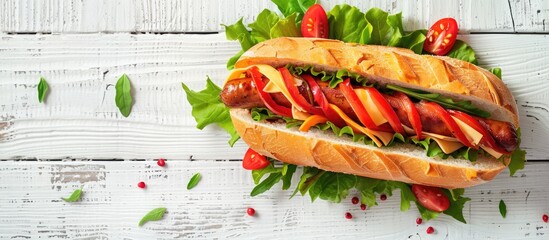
(448, 146)
(370, 106)
(473, 135)
(355, 126)
(491, 151)
(441, 137)
(299, 115)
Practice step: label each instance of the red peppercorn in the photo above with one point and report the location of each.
(161, 162)
(545, 218)
(250, 211)
(348, 215)
(419, 220)
(430, 230)
(383, 197)
(354, 200)
(363, 206)
(141, 184)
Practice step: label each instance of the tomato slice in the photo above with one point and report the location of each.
(265, 97)
(320, 98)
(487, 138)
(449, 122)
(441, 36)
(386, 110)
(254, 161)
(315, 23)
(294, 92)
(413, 114)
(347, 90)
(431, 198)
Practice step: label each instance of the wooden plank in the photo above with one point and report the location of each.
(112, 205)
(80, 119)
(73, 16)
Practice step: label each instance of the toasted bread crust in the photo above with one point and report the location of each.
(405, 163)
(451, 77)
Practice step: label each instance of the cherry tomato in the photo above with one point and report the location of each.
(431, 198)
(254, 161)
(441, 36)
(265, 97)
(315, 23)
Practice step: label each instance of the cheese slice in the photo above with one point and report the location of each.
(448, 146)
(370, 106)
(355, 126)
(491, 151)
(472, 135)
(441, 137)
(299, 115)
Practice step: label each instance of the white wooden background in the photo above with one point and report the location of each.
(82, 47)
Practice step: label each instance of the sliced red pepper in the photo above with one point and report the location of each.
(265, 97)
(413, 114)
(347, 90)
(319, 97)
(386, 110)
(449, 122)
(487, 138)
(294, 92)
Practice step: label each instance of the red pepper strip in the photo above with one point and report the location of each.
(450, 123)
(300, 100)
(265, 97)
(347, 90)
(413, 115)
(487, 138)
(386, 110)
(323, 102)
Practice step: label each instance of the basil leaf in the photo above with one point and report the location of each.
(42, 89)
(123, 96)
(208, 108)
(446, 102)
(502, 208)
(457, 203)
(154, 215)
(266, 184)
(496, 71)
(518, 158)
(286, 28)
(462, 51)
(298, 7)
(194, 180)
(287, 175)
(75, 196)
(261, 28)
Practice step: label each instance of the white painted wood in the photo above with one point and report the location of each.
(112, 205)
(80, 119)
(73, 16)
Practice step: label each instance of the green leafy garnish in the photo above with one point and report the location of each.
(266, 184)
(42, 89)
(194, 181)
(446, 102)
(462, 51)
(518, 158)
(123, 96)
(75, 196)
(496, 71)
(502, 208)
(298, 7)
(457, 202)
(154, 215)
(208, 108)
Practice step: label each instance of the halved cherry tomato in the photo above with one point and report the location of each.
(254, 161)
(449, 122)
(431, 198)
(487, 138)
(386, 110)
(319, 97)
(349, 94)
(441, 36)
(315, 23)
(413, 115)
(265, 97)
(294, 92)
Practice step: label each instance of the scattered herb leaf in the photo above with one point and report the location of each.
(75, 196)
(154, 215)
(502, 208)
(123, 96)
(42, 89)
(194, 180)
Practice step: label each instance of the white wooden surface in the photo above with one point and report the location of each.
(94, 42)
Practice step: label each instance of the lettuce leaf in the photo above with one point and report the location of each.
(349, 24)
(261, 28)
(462, 51)
(333, 78)
(496, 71)
(286, 27)
(298, 7)
(239, 32)
(208, 108)
(518, 158)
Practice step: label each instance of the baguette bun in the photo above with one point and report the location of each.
(322, 149)
(450, 77)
